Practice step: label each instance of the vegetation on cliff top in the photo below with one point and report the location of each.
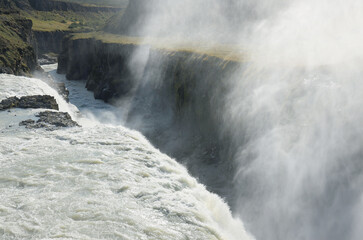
(127, 28)
(226, 52)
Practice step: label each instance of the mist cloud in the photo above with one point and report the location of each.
(293, 110)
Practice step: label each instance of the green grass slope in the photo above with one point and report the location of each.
(67, 20)
(17, 56)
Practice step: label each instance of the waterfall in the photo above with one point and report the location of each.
(98, 181)
(288, 121)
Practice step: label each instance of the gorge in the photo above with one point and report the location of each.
(260, 101)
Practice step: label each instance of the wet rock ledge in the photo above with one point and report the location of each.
(36, 101)
(50, 120)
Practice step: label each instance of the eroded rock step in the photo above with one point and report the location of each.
(50, 120)
(35, 101)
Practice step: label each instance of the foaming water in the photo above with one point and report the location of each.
(93, 110)
(293, 112)
(97, 182)
(22, 86)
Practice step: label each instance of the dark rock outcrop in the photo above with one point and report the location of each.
(58, 119)
(36, 101)
(8, 103)
(50, 121)
(27, 122)
(105, 65)
(17, 45)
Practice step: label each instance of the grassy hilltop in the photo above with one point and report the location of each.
(74, 15)
(61, 20)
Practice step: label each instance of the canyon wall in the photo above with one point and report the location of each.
(50, 41)
(175, 98)
(17, 44)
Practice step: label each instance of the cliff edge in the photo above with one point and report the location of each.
(17, 42)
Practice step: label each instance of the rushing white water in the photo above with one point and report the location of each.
(97, 181)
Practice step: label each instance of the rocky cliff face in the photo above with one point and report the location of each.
(50, 41)
(17, 45)
(176, 97)
(103, 64)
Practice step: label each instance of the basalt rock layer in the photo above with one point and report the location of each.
(104, 65)
(50, 41)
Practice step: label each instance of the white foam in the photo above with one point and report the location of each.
(97, 182)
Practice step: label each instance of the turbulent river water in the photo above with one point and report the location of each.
(99, 181)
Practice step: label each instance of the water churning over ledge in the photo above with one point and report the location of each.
(96, 182)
